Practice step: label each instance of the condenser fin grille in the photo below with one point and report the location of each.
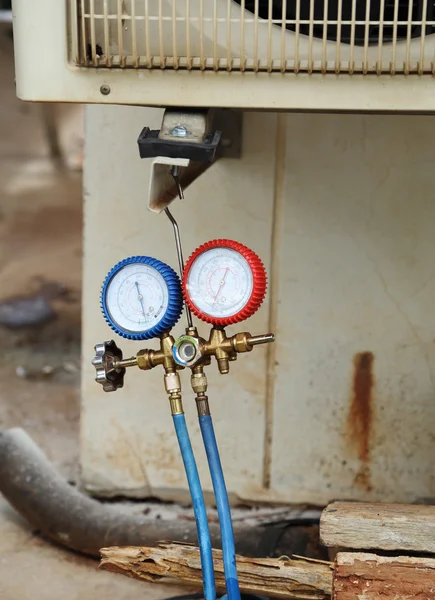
(288, 36)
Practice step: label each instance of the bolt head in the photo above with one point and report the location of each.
(105, 89)
(179, 131)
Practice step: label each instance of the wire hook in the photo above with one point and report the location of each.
(175, 170)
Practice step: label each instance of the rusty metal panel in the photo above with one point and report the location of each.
(346, 407)
(354, 412)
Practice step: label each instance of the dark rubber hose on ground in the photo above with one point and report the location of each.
(64, 515)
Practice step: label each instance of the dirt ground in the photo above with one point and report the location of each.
(40, 254)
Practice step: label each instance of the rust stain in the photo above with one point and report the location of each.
(359, 422)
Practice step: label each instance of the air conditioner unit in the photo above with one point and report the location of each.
(368, 55)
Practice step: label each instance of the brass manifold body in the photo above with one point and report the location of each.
(224, 348)
(189, 350)
(192, 351)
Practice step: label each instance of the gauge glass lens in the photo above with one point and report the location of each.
(220, 282)
(137, 298)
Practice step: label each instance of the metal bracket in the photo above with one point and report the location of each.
(163, 189)
(191, 140)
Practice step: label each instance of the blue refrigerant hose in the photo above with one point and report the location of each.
(198, 507)
(223, 506)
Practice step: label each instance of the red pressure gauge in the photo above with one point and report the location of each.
(224, 282)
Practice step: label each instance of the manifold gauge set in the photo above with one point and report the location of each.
(222, 283)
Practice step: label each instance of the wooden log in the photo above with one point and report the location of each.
(365, 526)
(180, 564)
(359, 576)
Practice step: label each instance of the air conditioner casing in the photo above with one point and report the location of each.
(259, 71)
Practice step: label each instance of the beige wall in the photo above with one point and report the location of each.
(341, 208)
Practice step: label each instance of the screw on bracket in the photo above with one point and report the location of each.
(180, 131)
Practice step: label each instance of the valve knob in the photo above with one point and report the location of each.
(106, 362)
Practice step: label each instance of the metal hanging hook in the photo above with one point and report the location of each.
(174, 172)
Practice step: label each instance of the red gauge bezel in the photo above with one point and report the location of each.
(259, 284)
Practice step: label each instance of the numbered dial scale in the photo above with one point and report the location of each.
(224, 282)
(141, 298)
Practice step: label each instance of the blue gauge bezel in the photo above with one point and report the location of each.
(175, 298)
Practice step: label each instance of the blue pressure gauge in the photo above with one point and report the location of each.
(141, 298)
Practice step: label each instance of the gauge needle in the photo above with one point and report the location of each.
(140, 297)
(221, 285)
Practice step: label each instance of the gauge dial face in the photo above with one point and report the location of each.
(136, 298)
(220, 282)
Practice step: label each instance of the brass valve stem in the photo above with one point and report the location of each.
(173, 389)
(267, 338)
(126, 362)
